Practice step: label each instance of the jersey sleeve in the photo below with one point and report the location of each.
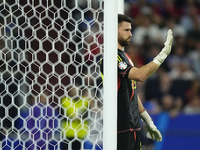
(101, 68)
(101, 65)
(123, 67)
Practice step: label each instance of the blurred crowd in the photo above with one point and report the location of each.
(175, 87)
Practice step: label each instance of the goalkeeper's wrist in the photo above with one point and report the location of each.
(159, 59)
(145, 117)
(157, 62)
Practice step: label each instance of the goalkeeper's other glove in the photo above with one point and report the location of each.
(153, 132)
(166, 50)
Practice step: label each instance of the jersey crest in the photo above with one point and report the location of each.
(122, 65)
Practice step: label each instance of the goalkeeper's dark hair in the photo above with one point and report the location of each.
(122, 18)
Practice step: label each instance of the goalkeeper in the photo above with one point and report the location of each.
(130, 109)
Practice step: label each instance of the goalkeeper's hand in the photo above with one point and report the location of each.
(153, 132)
(166, 50)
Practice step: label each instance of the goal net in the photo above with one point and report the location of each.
(50, 85)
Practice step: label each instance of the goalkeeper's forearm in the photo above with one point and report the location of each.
(142, 73)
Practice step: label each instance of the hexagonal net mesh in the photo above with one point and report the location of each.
(50, 84)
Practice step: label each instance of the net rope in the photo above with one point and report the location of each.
(50, 85)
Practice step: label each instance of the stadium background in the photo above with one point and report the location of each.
(172, 94)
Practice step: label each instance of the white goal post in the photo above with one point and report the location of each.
(110, 76)
(110, 72)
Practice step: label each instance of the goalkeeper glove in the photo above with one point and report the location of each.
(166, 50)
(153, 132)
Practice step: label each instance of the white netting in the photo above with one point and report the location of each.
(50, 84)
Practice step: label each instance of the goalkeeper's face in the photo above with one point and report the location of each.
(124, 33)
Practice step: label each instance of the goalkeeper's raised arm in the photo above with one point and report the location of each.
(142, 73)
(129, 107)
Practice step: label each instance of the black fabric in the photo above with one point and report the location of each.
(129, 140)
(128, 120)
(128, 113)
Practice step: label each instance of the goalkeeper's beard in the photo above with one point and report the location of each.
(123, 42)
